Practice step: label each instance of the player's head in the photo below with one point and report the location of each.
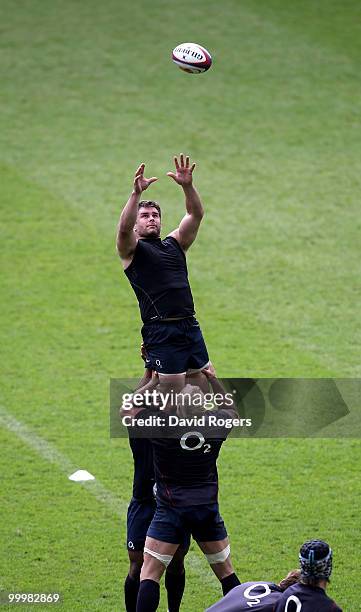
(315, 562)
(292, 577)
(148, 219)
(190, 402)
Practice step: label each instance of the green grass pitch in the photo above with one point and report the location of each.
(88, 91)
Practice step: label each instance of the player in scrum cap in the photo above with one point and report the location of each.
(309, 594)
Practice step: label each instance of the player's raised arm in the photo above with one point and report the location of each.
(218, 388)
(126, 240)
(186, 233)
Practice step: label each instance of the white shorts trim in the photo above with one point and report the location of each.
(189, 371)
(195, 370)
(175, 374)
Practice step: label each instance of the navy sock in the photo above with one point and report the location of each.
(175, 583)
(148, 596)
(131, 588)
(229, 582)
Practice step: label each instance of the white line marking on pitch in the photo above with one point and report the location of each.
(50, 453)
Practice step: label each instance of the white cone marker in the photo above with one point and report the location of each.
(81, 476)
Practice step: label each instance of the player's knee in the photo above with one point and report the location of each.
(219, 557)
(135, 563)
(176, 566)
(162, 558)
(134, 570)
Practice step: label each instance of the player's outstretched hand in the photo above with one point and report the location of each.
(209, 371)
(140, 182)
(184, 171)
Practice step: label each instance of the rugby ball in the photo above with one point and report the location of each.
(192, 58)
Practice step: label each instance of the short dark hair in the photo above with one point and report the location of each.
(149, 204)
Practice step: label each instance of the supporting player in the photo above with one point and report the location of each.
(140, 513)
(261, 596)
(309, 594)
(187, 500)
(157, 271)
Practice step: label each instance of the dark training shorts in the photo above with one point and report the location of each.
(139, 517)
(175, 347)
(204, 523)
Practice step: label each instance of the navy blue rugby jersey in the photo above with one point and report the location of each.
(185, 464)
(143, 480)
(301, 597)
(259, 596)
(159, 277)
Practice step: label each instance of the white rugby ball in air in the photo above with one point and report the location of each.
(192, 58)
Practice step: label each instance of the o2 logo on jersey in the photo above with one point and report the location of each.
(292, 599)
(201, 442)
(130, 545)
(255, 598)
